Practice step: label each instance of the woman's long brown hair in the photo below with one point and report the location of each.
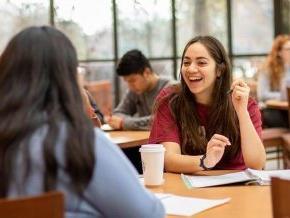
(274, 64)
(38, 88)
(222, 116)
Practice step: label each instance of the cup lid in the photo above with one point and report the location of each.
(152, 149)
(152, 146)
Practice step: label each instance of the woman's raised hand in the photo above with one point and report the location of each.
(240, 95)
(215, 149)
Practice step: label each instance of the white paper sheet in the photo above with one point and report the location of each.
(187, 206)
(106, 127)
(265, 175)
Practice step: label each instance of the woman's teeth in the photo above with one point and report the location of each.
(194, 78)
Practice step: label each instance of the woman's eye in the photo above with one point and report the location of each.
(186, 63)
(202, 63)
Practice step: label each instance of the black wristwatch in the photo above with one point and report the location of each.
(201, 163)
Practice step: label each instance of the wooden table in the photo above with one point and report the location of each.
(246, 201)
(128, 139)
(276, 104)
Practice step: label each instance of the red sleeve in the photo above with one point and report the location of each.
(90, 111)
(164, 128)
(255, 115)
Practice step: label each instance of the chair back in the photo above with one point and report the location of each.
(102, 94)
(288, 99)
(48, 205)
(280, 190)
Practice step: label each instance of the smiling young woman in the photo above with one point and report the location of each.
(202, 125)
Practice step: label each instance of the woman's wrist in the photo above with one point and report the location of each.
(242, 112)
(204, 163)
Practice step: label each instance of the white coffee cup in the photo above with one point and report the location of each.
(152, 156)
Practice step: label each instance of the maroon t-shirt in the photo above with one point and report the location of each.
(165, 129)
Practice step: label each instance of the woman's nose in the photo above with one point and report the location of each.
(193, 68)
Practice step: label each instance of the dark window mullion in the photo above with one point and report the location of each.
(116, 55)
(174, 39)
(51, 12)
(229, 29)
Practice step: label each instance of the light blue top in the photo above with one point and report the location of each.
(114, 190)
(264, 91)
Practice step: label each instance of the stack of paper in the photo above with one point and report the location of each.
(264, 176)
(187, 206)
(257, 176)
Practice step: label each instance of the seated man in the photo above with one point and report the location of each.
(134, 110)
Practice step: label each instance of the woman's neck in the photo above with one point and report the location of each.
(204, 99)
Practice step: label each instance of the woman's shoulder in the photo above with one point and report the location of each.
(252, 104)
(104, 146)
(102, 139)
(168, 91)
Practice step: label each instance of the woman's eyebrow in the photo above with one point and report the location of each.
(198, 58)
(201, 57)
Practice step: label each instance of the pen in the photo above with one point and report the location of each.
(230, 91)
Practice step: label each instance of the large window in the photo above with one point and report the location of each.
(88, 23)
(103, 30)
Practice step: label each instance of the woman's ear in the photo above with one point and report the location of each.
(220, 69)
(218, 74)
(147, 72)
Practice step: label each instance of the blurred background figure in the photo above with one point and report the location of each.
(90, 104)
(273, 79)
(134, 110)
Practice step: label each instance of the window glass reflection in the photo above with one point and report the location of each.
(88, 24)
(16, 15)
(200, 17)
(146, 25)
(252, 25)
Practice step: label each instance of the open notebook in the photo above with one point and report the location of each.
(261, 177)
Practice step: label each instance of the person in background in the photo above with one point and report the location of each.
(91, 108)
(207, 121)
(273, 80)
(135, 109)
(47, 141)
(90, 104)
(95, 107)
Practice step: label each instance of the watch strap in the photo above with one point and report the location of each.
(201, 164)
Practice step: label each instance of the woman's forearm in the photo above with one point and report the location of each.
(252, 147)
(177, 163)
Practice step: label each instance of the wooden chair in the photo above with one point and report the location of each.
(279, 138)
(48, 205)
(286, 139)
(273, 138)
(102, 94)
(286, 151)
(280, 190)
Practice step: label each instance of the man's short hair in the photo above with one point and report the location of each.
(132, 62)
